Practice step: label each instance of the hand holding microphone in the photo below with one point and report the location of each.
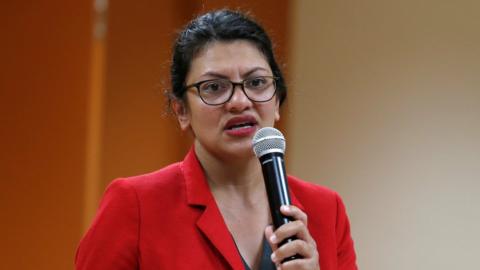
(292, 245)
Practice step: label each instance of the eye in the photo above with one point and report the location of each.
(257, 83)
(214, 86)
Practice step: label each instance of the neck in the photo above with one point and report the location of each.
(233, 179)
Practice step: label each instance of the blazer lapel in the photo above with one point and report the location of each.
(214, 228)
(294, 200)
(211, 222)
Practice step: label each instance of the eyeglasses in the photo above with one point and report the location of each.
(220, 91)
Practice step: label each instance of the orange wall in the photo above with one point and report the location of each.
(138, 137)
(45, 51)
(78, 111)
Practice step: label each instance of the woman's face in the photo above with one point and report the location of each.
(226, 130)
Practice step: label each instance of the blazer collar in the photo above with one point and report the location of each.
(198, 191)
(211, 222)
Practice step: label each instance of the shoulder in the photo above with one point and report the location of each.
(167, 177)
(327, 221)
(307, 191)
(317, 201)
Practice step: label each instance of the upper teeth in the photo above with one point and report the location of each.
(243, 125)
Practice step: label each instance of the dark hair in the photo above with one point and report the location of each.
(220, 25)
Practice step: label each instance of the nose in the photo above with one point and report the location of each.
(239, 101)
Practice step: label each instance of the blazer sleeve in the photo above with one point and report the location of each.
(346, 257)
(112, 240)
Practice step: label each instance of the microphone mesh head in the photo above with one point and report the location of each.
(268, 140)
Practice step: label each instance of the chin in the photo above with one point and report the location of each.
(241, 152)
(229, 151)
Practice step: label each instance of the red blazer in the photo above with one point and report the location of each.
(169, 219)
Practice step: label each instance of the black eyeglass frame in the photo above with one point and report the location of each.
(241, 84)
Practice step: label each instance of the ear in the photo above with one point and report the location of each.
(277, 110)
(181, 111)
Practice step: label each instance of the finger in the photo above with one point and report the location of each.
(296, 247)
(295, 213)
(295, 228)
(268, 236)
(300, 264)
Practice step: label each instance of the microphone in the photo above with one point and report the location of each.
(269, 147)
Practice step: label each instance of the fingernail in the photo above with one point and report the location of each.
(273, 257)
(285, 208)
(273, 239)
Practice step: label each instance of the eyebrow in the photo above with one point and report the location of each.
(253, 70)
(220, 75)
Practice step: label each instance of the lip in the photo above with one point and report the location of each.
(244, 131)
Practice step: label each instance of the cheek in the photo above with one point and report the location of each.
(205, 119)
(271, 111)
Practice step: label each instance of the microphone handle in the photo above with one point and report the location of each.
(275, 177)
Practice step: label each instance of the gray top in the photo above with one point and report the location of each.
(265, 261)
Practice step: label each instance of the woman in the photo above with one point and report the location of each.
(211, 210)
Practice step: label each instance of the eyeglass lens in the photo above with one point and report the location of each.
(218, 91)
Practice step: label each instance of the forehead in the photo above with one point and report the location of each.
(227, 58)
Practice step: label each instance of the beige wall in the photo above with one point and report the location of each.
(385, 109)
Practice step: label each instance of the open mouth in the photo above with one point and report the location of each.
(240, 126)
(241, 123)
